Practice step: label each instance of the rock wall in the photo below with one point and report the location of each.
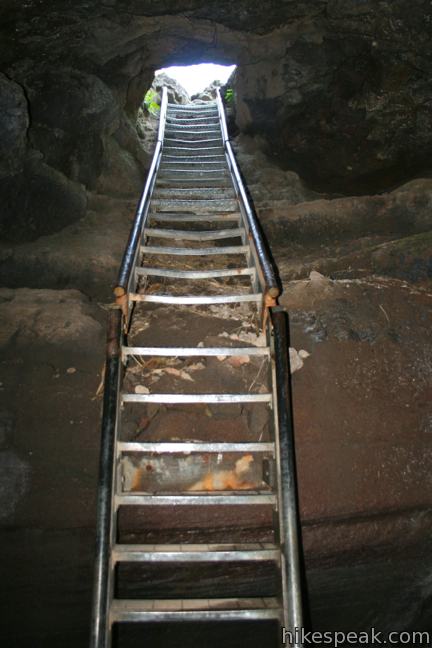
(338, 91)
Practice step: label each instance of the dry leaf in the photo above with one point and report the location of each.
(197, 366)
(141, 389)
(179, 373)
(238, 361)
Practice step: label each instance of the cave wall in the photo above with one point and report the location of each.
(338, 91)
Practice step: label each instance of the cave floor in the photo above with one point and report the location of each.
(364, 505)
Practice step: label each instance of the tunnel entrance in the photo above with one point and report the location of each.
(196, 78)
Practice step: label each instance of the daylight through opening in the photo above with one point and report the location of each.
(196, 78)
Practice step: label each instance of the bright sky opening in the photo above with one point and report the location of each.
(195, 78)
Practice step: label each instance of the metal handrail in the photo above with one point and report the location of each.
(287, 477)
(272, 287)
(101, 590)
(132, 247)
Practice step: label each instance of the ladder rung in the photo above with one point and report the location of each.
(227, 249)
(226, 498)
(163, 611)
(194, 108)
(189, 176)
(182, 150)
(194, 120)
(194, 218)
(192, 129)
(198, 141)
(185, 159)
(197, 398)
(182, 162)
(194, 553)
(205, 235)
(196, 299)
(196, 351)
(194, 274)
(205, 167)
(188, 447)
(194, 205)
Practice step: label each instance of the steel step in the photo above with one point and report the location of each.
(195, 274)
(194, 553)
(220, 171)
(175, 141)
(191, 235)
(217, 172)
(225, 249)
(183, 150)
(188, 447)
(195, 218)
(192, 128)
(223, 498)
(194, 206)
(197, 300)
(196, 351)
(198, 178)
(190, 399)
(194, 108)
(159, 610)
(193, 193)
(182, 121)
(180, 182)
(179, 159)
(185, 163)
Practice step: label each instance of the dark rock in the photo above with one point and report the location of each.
(340, 94)
(14, 122)
(409, 258)
(7, 424)
(14, 482)
(39, 200)
(39, 317)
(84, 255)
(120, 175)
(70, 112)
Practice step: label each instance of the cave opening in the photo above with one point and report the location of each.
(197, 77)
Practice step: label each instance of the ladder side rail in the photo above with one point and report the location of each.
(266, 270)
(289, 525)
(131, 253)
(100, 629)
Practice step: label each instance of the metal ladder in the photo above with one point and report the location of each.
(194, 194)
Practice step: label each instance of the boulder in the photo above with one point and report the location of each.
(208, 94)
(71, 112)
(39, 200)
(58, 318)
(176, 93)
(14, 123)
